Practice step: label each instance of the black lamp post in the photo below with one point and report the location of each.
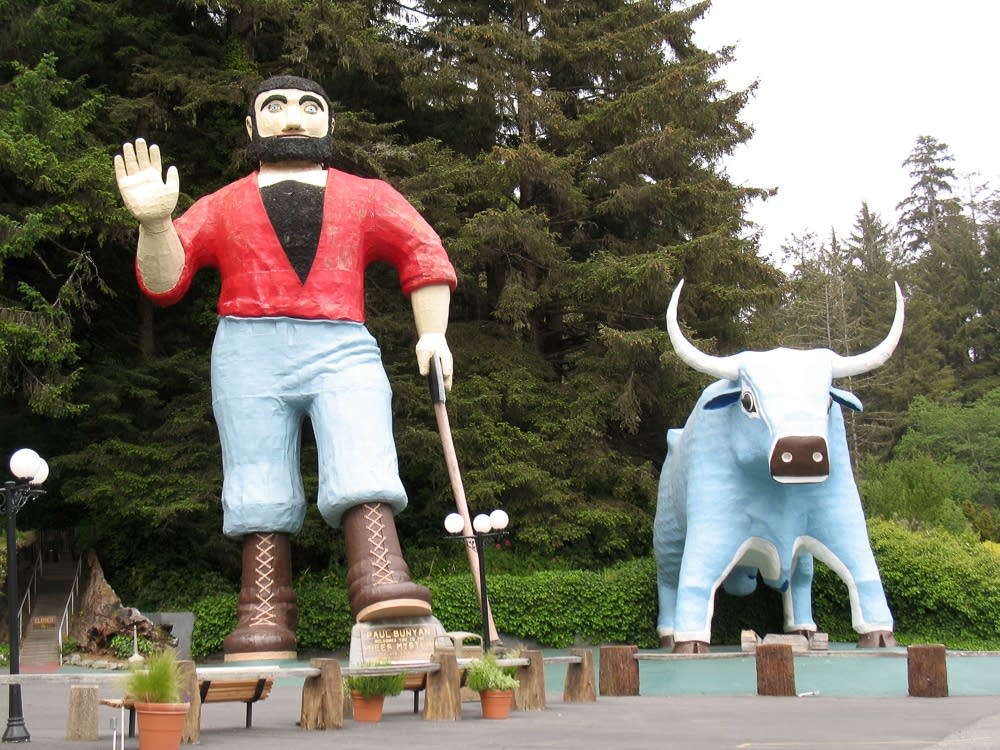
(484, 527)
(32, 470)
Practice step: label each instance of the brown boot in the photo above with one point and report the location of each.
(267, 615)
(378, 579)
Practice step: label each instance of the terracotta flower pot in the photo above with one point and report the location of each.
(367, 709)
(496, 703)
(161, 725)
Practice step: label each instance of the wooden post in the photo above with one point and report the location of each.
(927, 670)
(579, 685)
(530, 694)
(323, 697)
(190, 693)
(81, 720)
(775, 669)
(443, 695)
(619, 670)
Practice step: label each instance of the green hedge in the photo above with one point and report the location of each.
(942, 588)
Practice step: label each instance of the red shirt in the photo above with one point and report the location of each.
(363, 221)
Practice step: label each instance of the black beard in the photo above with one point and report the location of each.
(271, 149)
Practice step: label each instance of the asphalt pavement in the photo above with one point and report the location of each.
(619, 723)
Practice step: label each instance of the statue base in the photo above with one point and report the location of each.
(400, 640)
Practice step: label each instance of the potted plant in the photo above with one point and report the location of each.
(494, 683)
(368, 693)
(154, 690)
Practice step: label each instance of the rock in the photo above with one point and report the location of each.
(101, 615)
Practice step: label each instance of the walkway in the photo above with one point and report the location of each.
(653, 723)
(40, 645)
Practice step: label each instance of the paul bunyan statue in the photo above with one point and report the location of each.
(291, 242)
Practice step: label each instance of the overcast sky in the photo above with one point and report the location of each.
(845, 88)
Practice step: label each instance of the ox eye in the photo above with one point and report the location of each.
(747, 402)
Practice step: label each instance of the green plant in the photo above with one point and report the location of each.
(158, 681)
(487, 674)
(70, 645)
(122, 645)
(370, 685)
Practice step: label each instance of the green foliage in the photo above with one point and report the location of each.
(918, 489)
(158, 681)
(325, 617)
(4, 654)
(122, 645)
(56, 187)
(380, 684)
(214, 619)
(485, 673)
(70, 645)
(559, 608)
(968, 433)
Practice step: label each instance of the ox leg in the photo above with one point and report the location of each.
(742, 581)
(705, 566)
(798, 597)
(852, 559)
(668, 549)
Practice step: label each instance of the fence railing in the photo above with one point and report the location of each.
(68, 610)
(30, 590)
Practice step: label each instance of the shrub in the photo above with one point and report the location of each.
(122, 645)
(486, 674)
(941, 588)
(376, 684)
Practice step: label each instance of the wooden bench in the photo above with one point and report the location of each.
(235, 691)
(210, 691)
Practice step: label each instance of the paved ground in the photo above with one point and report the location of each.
(679, 723)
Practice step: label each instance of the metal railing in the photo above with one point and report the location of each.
(74, 592)
(30, 589)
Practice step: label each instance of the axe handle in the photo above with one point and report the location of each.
(458, 490)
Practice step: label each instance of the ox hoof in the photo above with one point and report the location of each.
(691, 647)
(877, 639)
(666, 641)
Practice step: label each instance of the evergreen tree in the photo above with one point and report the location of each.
(53, 191)
(930, 203)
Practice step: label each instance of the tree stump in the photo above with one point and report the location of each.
(619, 670)
(927, 670)
(323, 697)
(579, 686)
(191, 733)
(530, 694)
(443, 696)
(775, 669)
(81, 719)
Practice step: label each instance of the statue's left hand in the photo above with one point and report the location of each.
(430, 344)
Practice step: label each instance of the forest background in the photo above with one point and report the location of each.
(570, 154)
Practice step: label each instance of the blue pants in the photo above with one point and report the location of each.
(268, 374)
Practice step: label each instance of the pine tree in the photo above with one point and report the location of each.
(930, 203)
(53, 190)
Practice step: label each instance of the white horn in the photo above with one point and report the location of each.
(846, 366)
(726, 368)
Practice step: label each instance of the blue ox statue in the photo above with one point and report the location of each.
(760, 479)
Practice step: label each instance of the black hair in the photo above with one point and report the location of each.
(289, 82)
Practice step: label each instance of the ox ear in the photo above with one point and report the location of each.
(722, 400)
(845, 398)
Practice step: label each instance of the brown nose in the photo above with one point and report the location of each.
(800, 459)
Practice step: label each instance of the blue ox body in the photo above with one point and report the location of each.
(760, 479)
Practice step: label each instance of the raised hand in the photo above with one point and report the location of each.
(139, 173)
